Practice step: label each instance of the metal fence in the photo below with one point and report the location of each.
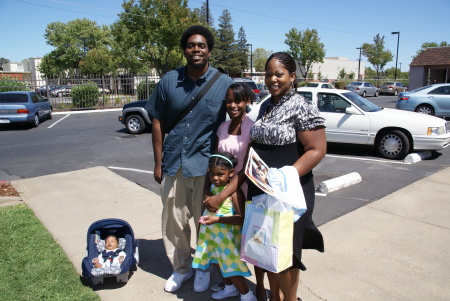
(113, 91)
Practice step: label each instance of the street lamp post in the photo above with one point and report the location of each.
(207, 12)
(396, 57)
(359, 61)
(251, 59)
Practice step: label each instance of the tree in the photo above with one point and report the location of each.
(98, 62)
(260, 56)
(225, 49)
(429, 44)
(201, 15)
(242, 51)
(342, 73)
(3, 61)
(376, 54)
(72, 41)
(149, 31)
(369, 73)
(305, 47)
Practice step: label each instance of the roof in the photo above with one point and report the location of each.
(433, 56)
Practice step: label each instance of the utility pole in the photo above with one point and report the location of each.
(359, 63)
(396, 57)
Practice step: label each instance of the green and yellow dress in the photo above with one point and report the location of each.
(220, 243)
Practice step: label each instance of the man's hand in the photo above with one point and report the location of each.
(157, 173)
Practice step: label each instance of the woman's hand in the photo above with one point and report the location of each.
(212, 203)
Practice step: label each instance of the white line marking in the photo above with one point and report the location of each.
(365, 159)
(59, 121)
(130, 169)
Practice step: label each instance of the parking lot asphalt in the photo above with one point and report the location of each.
(395, 248)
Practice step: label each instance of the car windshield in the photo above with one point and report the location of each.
(361, 102)
(315, 85)
(420, 89)
(356, 83)
(388, 83)
(13, 98)
(251, 85)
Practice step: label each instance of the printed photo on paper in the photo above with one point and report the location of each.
(257, 171)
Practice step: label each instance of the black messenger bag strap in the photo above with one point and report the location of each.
(196, 99)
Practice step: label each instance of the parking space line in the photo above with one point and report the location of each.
(366, 159)
(130, 169)
(59, 121)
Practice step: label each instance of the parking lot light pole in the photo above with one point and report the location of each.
(359, 62)
(396, 57)
(251, 59)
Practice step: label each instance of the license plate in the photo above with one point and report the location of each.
(4, 120)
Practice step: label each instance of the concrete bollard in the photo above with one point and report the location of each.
(339, 182)
(416, 157)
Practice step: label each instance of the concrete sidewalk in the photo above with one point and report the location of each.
(393, 249)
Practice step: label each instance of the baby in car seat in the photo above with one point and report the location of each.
(112, 256)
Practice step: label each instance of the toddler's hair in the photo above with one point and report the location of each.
(242, 92)
(224, 159)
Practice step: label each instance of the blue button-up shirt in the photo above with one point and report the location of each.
(190, 143)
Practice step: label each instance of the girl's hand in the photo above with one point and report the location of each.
(208, 220)
(212, 203)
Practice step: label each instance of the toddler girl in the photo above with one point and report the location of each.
(219, 240)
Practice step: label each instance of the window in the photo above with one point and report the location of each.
(443, 90)
(307, 95)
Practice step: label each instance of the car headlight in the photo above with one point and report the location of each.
(437, 130)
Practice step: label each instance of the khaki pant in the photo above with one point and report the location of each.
(182, 200)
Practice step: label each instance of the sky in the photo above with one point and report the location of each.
(342, 25)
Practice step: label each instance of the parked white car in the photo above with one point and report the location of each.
(319, 85)
(352, 119)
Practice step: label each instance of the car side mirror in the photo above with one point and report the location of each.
(352, 110)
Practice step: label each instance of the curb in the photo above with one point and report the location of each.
(416, 157)
(10, 200)
(339, 182)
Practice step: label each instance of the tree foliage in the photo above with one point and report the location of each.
(305, 47)
(427, 45)
(260, 56)
(242, 50)
(148, 33)
(376, 54)
(98, 61)
(72, 41)
(225, 49)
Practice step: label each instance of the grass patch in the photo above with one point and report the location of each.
(32, 265)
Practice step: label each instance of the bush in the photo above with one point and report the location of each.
(339, 84)
(85, 96)
(142, 90)
(7, 83)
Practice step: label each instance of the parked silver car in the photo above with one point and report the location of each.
(250, 83)
(430, 100)
(362, 88)
(392, 88)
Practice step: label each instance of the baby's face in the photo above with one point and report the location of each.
(111, 243)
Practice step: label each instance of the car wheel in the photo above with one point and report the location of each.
(395, 93)
(376, 94)
(50, 114)
(393, 144)
(425, 109)
(35, 122)
(364, 94)
(135, 124)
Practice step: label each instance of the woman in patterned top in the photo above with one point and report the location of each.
(288, 131)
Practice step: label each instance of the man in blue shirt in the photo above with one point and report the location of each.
(181, 156)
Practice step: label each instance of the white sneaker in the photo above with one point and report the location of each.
(201, 282)
(176, 280)
(248, 297)
(228, 292)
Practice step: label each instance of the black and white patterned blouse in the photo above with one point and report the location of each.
(278, 124)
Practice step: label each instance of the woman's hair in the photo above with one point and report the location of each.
(286, 60)
(197, 29)
(242, 92)
(224, 159)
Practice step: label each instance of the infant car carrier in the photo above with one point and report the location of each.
(96, 236)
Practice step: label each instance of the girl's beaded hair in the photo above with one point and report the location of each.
(224, 159)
